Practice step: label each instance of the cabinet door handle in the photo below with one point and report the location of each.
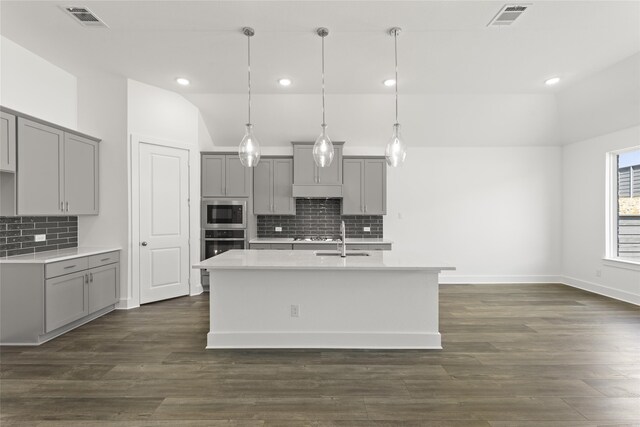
(67, 206)
(91, 277)
(69, 266)
(86, 278)
(62, 206)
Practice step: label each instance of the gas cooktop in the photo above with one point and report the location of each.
(315, 239)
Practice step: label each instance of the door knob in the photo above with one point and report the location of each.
(144, 243)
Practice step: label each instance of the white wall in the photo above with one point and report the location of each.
(583, 222)
(167, 116)
(492, 212)
(601, 103)
(102, 112)
(33, 86)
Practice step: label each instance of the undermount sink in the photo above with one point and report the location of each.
(338, 254)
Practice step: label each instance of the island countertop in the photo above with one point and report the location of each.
(308, 260)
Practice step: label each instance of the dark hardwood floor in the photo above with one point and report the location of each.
(514, 355)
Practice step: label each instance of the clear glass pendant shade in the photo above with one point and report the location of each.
(396, 150)
(249, 149)
(323, 149)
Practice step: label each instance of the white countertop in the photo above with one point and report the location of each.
(350, 240)
(308, 260)
(54, 256)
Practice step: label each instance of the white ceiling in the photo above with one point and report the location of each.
(445, 46)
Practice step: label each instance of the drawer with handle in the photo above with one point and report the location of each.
(104, 259)
(60, 268)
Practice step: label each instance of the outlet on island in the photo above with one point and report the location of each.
(295, 310)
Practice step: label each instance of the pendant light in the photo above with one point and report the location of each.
(396, 150)
(323, 148)
(249, 149)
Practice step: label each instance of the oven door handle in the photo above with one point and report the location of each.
(214, 239)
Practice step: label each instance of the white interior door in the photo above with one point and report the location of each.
(164, 222)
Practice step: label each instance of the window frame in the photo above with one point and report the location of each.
(611, 212)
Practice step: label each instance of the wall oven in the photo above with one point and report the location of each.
(224, 214)
(215, 242)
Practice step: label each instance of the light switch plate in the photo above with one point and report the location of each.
(40, 237)
(278, 229)
(367, 229)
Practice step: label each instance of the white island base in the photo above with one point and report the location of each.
(361, 302)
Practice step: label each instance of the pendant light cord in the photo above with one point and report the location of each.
(249, 73)
(395, 43)
(323, 121)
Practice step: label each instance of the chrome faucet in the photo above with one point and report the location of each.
(343, 232)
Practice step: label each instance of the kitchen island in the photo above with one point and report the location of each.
(311, 299)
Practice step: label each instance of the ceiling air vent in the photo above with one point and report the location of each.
(84, 16)
(507, 15)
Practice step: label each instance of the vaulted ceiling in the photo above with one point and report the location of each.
(445, 46)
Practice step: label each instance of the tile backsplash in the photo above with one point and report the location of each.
(17, 234)
(319, 217)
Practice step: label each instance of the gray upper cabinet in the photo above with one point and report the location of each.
(365, 186)
(310, 180)
(273, 186)
(224, 176)
(7, 142)
(57, 171)
(40, 163)
(80, 175)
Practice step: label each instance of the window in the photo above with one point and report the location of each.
(624, 205)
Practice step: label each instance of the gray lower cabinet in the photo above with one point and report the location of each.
(57, 171)
(223, 175)
(365, 186)
(41, 301)
(272, 246)
(66, 300)
(273, 186)
(7, 142)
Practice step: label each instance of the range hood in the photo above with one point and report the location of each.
(310, 181)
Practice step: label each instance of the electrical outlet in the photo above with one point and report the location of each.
(40, 237)
(295, 310)
(278, 229)
(367, 229)
(598, 273)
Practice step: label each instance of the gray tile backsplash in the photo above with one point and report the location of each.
(17, 234)
(319, 217)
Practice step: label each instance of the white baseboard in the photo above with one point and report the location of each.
(309, 339)
(126, 304)
(601, 290)
(197, 290)
(478, 280)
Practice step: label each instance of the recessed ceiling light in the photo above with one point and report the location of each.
(552, 81)
(182, 81)
(284, 82)
(389, 82)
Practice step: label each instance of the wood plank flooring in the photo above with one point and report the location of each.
(514, 355)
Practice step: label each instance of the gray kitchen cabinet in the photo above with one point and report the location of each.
(365, 186)
(40, 162)
(7, 142)
(224, 176)
(310, 180)
(273, 186)
(57, 171)
(66, 300)
(80, 175)
(39, 301)
(103, 291)
(272, 246)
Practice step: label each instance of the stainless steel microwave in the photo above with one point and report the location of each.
(224, 213)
